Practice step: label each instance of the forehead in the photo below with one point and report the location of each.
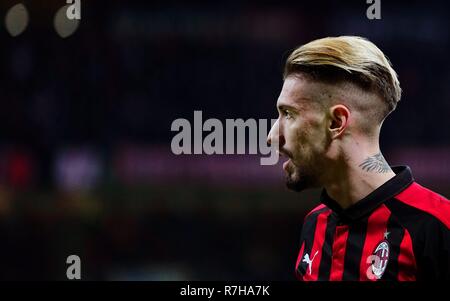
(299, 92)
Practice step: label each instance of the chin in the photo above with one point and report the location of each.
(299, 183)
(297, 186)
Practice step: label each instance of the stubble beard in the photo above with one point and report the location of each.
(299, 179)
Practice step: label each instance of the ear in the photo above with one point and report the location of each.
(339, 117)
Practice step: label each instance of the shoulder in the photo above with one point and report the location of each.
(317, 210)
(425, 216)
(314, 213)
(314, 220)
(418, 202)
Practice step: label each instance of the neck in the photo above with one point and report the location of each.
(356, 176)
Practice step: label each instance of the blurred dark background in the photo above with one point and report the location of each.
(85, 114)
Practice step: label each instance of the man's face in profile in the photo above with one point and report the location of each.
(301, 131)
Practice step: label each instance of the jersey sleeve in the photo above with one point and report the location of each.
(434, 258)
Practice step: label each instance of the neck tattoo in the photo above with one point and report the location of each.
(375, 163)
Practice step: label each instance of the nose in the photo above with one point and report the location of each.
(275, 136)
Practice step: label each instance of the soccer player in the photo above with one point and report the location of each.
(374, 221)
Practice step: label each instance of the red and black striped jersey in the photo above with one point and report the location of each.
(400, 231)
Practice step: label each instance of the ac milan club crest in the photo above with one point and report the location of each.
(380, 259)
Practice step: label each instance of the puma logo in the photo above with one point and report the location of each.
(309, 261)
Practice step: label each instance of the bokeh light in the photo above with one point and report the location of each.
(64, 26)
(16, 20)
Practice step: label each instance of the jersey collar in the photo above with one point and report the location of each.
(368, 204)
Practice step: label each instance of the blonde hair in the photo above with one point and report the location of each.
(348, 58)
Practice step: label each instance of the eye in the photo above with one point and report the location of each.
(287, 114)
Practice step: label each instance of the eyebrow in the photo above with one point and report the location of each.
(296, 107)
(285, 106)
